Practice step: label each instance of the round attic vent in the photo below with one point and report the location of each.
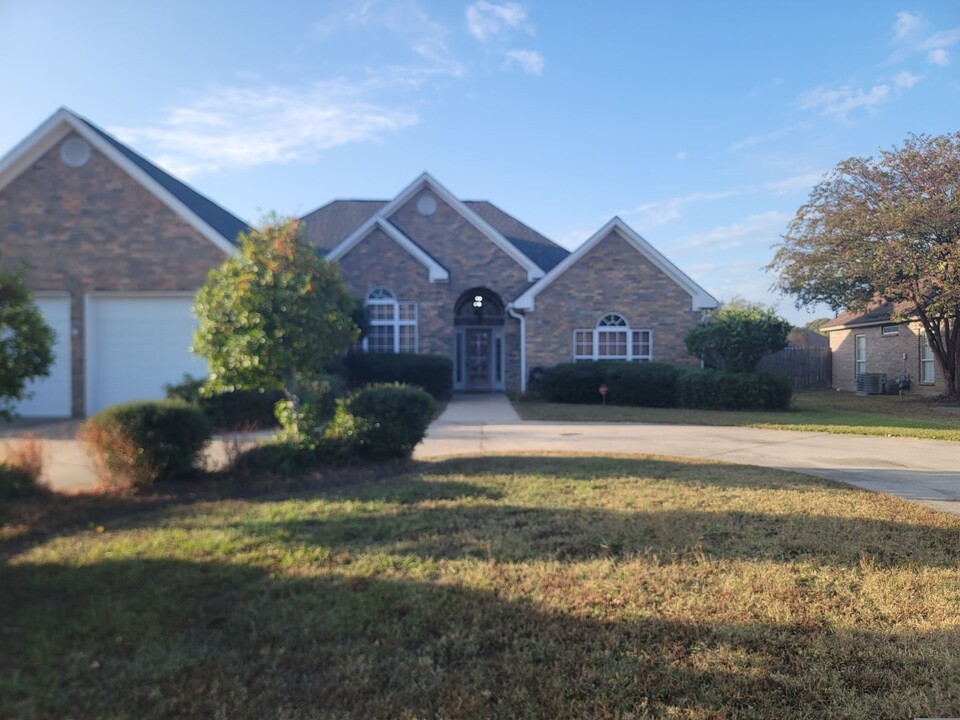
(427, 205)
(75, 152)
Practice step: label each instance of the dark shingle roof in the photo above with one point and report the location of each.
(328, 226)
(222, 221)
(876, 314)
(541, 250)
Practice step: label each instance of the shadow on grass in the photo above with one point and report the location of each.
(154, 639)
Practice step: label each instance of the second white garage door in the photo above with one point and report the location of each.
(136, 345)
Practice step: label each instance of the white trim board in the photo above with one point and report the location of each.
(700, 298)
(534, 271)
(435, 271)
(64, 121)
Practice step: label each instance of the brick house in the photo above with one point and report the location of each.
(116, 249)
(467, 280)
(872, 342)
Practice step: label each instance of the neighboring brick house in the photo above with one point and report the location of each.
(466, 280)
(115, 250)
(872, 342)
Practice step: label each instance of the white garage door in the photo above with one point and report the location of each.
(51, 395)
(136, 345)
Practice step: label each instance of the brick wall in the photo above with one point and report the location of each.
(94, 228)
(884, 354)
(471, 258)
(612, 277)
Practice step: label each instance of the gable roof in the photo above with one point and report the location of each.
(880, 313)
(215, 223)
(534, 271)
(700, 298)
(435, 271)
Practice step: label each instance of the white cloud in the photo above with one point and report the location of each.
(753, 140)
(763, 229)
(905, 80)
(906, 25)
(839, 102)
(243, 127)
(486, 19)
(662, 212)
(530, 61)
(682, 155)
(939, 56)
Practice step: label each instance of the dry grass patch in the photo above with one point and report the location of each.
(505, 587)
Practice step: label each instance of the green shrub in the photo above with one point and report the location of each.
(433, 373)
(720, 390)
(573, 382)
(138, 443)
(648, 384)
(275, 457)
(228, 410)
(391, 419)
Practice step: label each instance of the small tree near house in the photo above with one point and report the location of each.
(885, 229)
(26, 341)
(737, 335)
(272, 314)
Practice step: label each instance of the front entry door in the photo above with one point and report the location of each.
(478, 365)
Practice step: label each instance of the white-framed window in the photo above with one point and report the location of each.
(613, 339)
(393, 324)
(927, 364)
(859, 354)
(889, 330)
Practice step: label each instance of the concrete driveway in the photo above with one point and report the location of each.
(924, 471)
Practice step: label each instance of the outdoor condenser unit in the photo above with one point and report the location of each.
(871, 383)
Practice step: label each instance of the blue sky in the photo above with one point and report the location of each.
(704, 125)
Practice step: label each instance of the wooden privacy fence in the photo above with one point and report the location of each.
(808, 367)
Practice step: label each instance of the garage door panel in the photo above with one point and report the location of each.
(51, 396)
(138, 346)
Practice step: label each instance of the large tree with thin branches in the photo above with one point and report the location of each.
(885, 229)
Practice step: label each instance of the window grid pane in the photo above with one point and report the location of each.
(583, 344)
(611, 344)
(381, 312)
(641, 344)
(408, 338)
(380, 339)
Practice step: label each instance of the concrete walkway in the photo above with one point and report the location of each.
(925, 471)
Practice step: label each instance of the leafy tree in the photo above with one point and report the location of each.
(737, 335)
(885, 229)
(26, 341)
(272, 314)
(816, 324)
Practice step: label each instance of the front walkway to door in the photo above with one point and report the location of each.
(481, 409)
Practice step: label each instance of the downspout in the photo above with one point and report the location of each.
(523, 345)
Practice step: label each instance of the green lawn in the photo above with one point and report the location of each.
(502, 587)
(818, 411)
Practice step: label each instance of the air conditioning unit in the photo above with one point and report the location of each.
(871, 383)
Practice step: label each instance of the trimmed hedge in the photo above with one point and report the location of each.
(721, 390)
(138, 443)
(657, 384)
(648, 384)
(433, 373)
(577, 383)
(392, 419)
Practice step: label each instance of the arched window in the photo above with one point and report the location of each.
(613, 339)
(393, 324)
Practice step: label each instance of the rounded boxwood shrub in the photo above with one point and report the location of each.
(646, 384)
(138, 443)
(228, 410)
(433, 373)
(573, 382)
(720, 390)
(391, 419)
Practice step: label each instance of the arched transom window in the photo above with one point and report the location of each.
(393, 324)
(613, 339)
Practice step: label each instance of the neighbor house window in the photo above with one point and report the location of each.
(393, 324)
(860, 354)
(927, 366)
(889, 329)
(613, 339)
